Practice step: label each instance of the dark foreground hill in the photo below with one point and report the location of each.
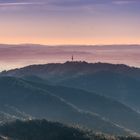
(41, 130)
(44, 130)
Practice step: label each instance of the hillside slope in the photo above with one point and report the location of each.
(120, 82)
(117, 86)
(107, 108)
(39, 103)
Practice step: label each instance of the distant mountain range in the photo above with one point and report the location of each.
(103, 97)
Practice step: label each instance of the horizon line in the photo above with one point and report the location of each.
(116, 44)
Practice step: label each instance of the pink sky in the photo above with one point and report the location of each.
(57, 22)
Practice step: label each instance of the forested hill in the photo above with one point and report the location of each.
(44, 130)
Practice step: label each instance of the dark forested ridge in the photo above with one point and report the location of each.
(119, 81)
(68, 69)
(41, 130)
(102, 97)
(44, 130)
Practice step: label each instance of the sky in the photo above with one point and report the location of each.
(54, 22)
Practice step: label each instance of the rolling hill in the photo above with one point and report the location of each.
(119, 82)
(39, 103)
(91, 102)
(104, 94)
(110, 84)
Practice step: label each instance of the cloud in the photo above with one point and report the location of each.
(124, 2)
(16, 4)
(89, 2)
(19, 3)
(13, 56)
(64, 3)
(62, 7)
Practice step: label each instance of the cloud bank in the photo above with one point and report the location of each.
(12, 56)
(65, 3)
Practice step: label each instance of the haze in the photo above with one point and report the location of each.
(15, 56)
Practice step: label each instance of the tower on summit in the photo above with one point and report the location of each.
(72, 58)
